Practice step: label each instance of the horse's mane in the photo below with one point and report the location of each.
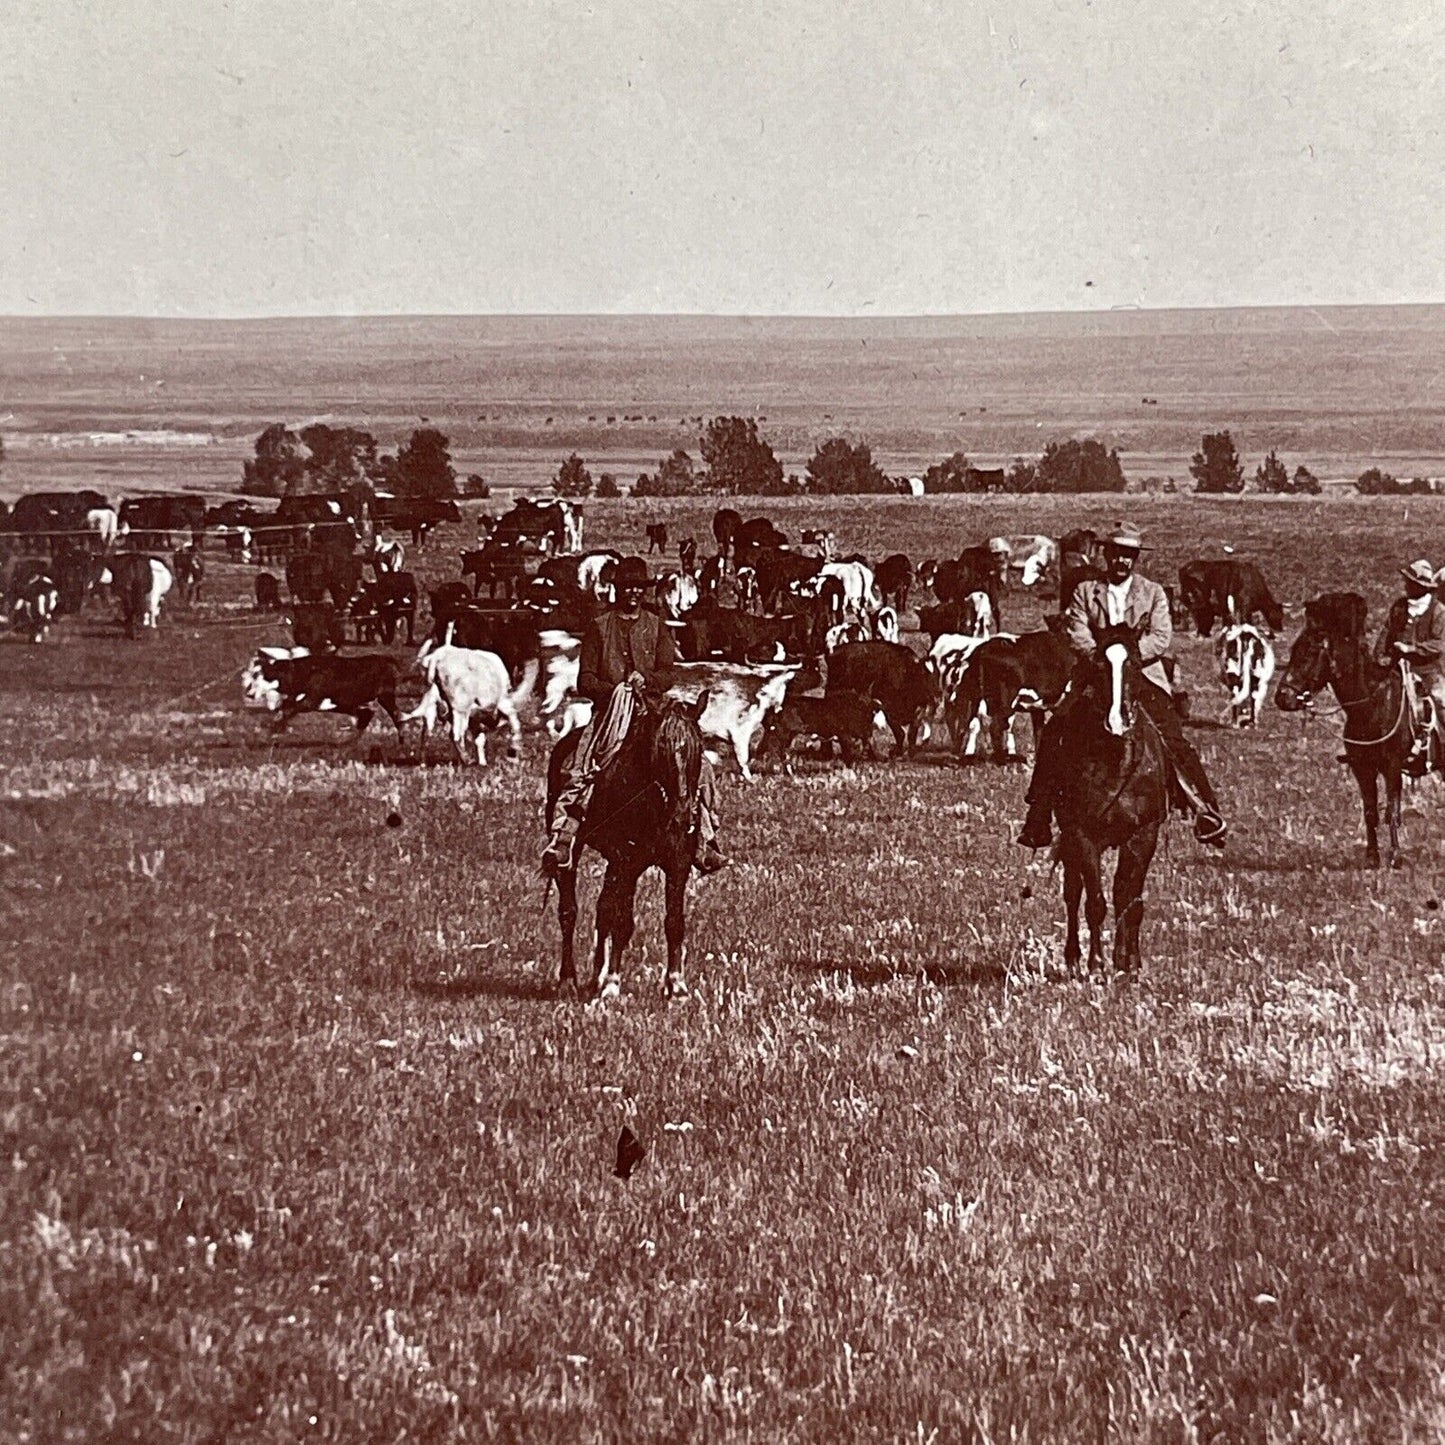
(676, 761)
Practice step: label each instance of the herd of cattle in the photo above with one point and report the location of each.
(789, 640)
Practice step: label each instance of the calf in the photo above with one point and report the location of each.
(1227, 590)
(739, 702)
(894, 576)
(847, 718)
(895, 679)
(33, 606)
(1246, 664)
(656, 537)
(268, 592)
(289, 683)
(474, 687)
(139, 583)
(189, 568)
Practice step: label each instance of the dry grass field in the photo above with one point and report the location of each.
(299, 1145)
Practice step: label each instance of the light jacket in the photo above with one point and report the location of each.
(1145, 603)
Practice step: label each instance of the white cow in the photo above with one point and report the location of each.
(860, 591)
(1031, 556)
(562, 710)
(740, 699)
(104, 525)
(472, 685)
(1246, 664)
(949, 659)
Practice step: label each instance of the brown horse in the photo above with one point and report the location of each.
(1379, 732)
(641, 816)
(1114, 794)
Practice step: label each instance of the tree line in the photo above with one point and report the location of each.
(335, 461)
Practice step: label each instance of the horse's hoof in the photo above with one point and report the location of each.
(609, 988)
(567, 990)
(675, 987)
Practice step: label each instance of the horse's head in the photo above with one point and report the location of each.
(1333, 622)
(1117, 674)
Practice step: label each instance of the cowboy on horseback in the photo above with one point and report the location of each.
(625, 650)
(1414, 633)
(1123, 597)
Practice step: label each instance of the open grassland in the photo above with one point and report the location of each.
(299, 1145)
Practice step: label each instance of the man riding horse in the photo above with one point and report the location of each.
(1415, 633)
(624, 650)
(1123, 597)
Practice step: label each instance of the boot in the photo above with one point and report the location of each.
(709, 857)
(1210, 828)
(560, 854)
(1038, 829)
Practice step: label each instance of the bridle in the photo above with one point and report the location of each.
(1306, 697)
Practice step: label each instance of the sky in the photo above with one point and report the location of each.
(812, 157)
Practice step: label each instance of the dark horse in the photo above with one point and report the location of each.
(640, 817)
(1332, 651)
(1114, 793)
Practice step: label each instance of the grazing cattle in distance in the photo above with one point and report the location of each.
(289, 683)
(475, 688)
(190, 573)
(1227, 590)
(268, 592)
(656, 537)
(846, 718)
(894, 576)
(739, 702)
(1246, 664)
(726, 524)
(139, 583)
(1081, 559)
(318, 627)
(900, 683)
(34, 605)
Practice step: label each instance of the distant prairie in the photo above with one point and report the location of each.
(1337, 388)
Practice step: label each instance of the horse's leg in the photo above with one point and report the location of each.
(1095, 906)
(1134, 859)
(1073, 892)
(1393, 789)
(674, 984)
(614, 927)
(567, 922)
(1370, 801)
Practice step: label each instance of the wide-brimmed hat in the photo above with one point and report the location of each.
(632, 572)
(1125, 536)
(1419, 572)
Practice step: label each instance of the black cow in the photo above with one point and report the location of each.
(318, 571)
(756, 534)
(846, 718)
(154, 521)
(960, 616)
(347, 685)
(134, 581)
(777, 569)
(499, 562)
(727, 632)
(1007, 675)
(975, 569)
(512, 633)
(268, 592)
(448, 599)
(725, 525)
(656, 537)
(317, 626)
(894, 576)
(417, 515)
(378, 608)
(77, 573)
(895, 679)
(1227, 590)
(190, 573)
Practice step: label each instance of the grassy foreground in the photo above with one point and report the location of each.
(298, 1145)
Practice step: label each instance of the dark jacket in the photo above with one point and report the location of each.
(614, 646)
(1426, 633)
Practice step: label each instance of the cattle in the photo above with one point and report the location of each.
(895, 679)
(740, 637)
(1030, 556)
(380, 607)
(974, 570)
(46, 517)
(153, 521)
(386, 556)
(1027, 673)
(725, 526)
(268, 592)
(317, 572)
(1246, 664)
(687, 555)
(739, 702)
(562, 710)
(499, 562)
(820, 541)
(1227, 590)
(475, 688)
(103, 525)
(846, 718)
(894, 576)
(139, 583)
(754, 536)
(415, 515)
(777, 570)
(77, 574)
(33, 606)
(1081, 559)
(677, 594)
(289, 683)
(446, 601)
(318, 627)
(189, 568)
(972, 614)
(656, 537)
(512, 633)
(554, 525)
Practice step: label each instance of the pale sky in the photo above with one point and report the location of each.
(283, 157)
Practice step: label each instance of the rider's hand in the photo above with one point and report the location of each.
(1404, 649)
(636, 680)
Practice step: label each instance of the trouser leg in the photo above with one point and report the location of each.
(1043, 790)
(707, 816)
(1193, 780)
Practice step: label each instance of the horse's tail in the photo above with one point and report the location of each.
(676, 765)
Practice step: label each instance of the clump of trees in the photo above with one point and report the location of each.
(739, 462)
(839, 468)
(1072, 465)
(1272, 477)
(1216, 467)
(1375, 483)
(573, 479)
(321, 459)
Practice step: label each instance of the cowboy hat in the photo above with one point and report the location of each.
(632, 572)
(1420, 572)
(1125, 536)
